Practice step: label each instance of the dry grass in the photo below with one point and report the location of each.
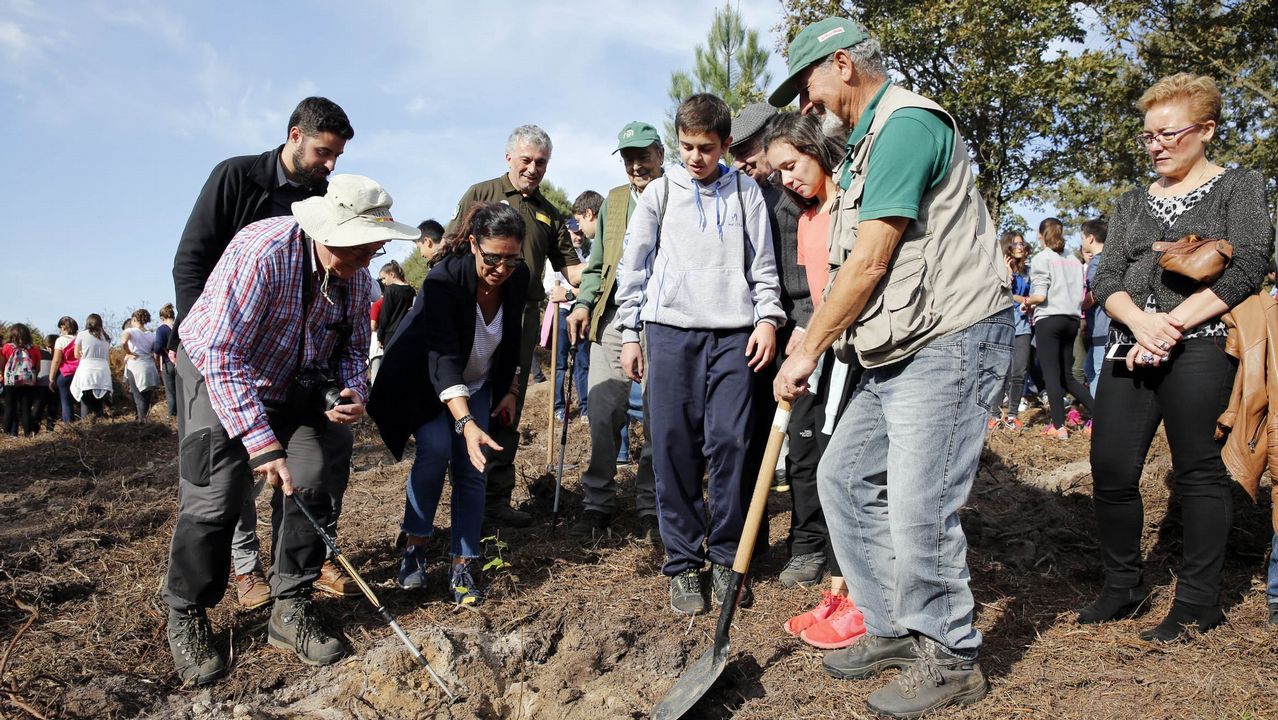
(573, 631)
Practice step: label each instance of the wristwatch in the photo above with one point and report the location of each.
(460, 423)
(570, 295)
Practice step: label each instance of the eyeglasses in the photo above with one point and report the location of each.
(1166, 138)
(493, 260)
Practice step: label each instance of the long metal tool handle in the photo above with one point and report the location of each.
(372, 598)
(563, 433)
(553, 310)
(759, 501)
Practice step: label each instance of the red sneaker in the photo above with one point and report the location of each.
(827, 607)
(837, 631)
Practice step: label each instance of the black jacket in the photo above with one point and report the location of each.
(432, 346)
(236, 194)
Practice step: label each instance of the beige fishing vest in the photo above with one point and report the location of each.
(947, 273)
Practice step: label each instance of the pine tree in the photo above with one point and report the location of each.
(732, 64)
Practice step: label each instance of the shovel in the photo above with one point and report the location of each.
(701, 675)
(377, 604)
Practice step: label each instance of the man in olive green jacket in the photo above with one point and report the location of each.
(545, 239)
(592, 316)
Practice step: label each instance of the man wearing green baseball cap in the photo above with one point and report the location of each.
(642, 154)
(919, 293)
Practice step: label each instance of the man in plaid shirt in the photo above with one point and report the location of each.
(280, 321)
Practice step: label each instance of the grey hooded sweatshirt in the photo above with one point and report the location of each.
(713, 268)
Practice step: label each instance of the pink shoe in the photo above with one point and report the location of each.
(827, 607)
(837, 631)
(1073, 418)
(1054, 432)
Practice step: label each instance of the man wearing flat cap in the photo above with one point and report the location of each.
(272, 362)
(919, 294)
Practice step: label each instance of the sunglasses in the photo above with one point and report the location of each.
(493, 260)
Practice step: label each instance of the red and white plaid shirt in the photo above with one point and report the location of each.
(243, 332)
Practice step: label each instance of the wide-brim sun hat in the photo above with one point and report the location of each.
(354, 211)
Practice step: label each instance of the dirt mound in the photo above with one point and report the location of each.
(583, 631)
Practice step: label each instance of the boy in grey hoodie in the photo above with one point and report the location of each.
(698, 278)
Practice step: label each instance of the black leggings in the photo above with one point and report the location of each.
(1016, 378)
(1186, 394)
(1055, 335)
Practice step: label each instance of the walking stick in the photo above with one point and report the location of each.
(553, 309)
(377, 604)
(563, 434)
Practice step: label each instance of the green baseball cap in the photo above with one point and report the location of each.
(813, 44)
(636, 135)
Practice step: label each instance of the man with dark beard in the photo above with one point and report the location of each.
(240, 191)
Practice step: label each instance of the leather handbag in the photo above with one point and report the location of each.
(1201, 259)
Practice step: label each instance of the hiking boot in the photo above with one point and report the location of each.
(412, 567)
(464, 586)
(839, 630)
(936, 679)
(191, 642)
(869, 656)
(649, 530)
(803, 570)
(590, 525)
(1112, 604)
(830, 603)
(1182, 621)
(723, 587)
(296, 625)
(506, 516)
(334, 581)
(686, 597)
(252, 590)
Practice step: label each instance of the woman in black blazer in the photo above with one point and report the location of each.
(449, 368)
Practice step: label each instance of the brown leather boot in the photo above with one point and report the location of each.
(252, 590)
(334, 581)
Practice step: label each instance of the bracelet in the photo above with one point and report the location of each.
(258, 461)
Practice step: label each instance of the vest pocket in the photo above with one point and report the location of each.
(902, 310)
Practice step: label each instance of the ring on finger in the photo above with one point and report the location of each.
(1147, 358)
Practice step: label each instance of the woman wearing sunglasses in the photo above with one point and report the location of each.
(1176, 371)
(451, 369)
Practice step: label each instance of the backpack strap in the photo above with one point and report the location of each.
(661, 215)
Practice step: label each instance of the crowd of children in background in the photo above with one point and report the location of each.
(68, 376)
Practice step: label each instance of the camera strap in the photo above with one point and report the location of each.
(308, 294)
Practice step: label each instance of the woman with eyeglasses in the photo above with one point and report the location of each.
(450, 370)
(1176, 371)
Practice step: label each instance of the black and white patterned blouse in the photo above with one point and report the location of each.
(1168, 210)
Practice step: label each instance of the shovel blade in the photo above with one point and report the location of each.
(696, 680)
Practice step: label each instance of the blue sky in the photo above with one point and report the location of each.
(113, 113)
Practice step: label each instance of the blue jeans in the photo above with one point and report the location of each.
(580, 368)
(1092, 363)
(1271, 592)
(65, 398)
(898, 468)
(438, 448)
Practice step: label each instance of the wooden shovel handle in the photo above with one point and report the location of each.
(759, 501)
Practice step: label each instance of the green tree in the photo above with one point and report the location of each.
(732, 64)
(1021, 100)
(557, 197)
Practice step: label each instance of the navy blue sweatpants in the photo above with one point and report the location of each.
(701, 411)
